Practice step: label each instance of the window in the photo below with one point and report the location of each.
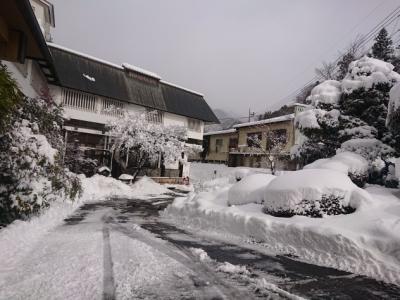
(233, 143)
(254, 139)
(218, 145)
(154, 116)
(194, 124)
(276, 138)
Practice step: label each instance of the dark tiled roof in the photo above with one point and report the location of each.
(107, 81)
(91, 75)
(185, 103)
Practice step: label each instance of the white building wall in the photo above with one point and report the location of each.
(176, 120)
(28, 77)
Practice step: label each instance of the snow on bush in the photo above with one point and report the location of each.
(349, 163)
(31, 171)
(393, 116)
(249, 190)
(370, 149)
(314, 118)
(364, 242)
(312, 193)
(326, 94)
(367, 72)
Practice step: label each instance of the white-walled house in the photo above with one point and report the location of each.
(89, 86)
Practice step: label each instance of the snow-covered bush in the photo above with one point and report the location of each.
(370, 149)
(31, 172)
(249, 190)
(241, 173)
(313, 193)
(349, 163)
(325, 95)
(390, 180)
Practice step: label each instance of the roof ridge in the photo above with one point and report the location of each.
(182, 88)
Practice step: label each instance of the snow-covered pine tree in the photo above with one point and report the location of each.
(319, 125)
(383, 47)
(350, 116)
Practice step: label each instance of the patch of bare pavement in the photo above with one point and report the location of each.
(257, 275)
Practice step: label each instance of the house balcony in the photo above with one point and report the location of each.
(91, 108)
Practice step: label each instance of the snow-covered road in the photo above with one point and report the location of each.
(122, 249)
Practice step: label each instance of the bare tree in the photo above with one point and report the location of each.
(353, 52)
(276, 142)
(327, 71)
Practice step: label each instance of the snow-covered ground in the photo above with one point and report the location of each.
(366, 242)
(19, 238)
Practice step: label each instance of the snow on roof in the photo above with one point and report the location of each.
(267, 121)
(298, 104)
(85, 55)
(182, 88)
(124, 66)
(220, 132)
(140, 70)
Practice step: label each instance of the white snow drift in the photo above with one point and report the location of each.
(249, 190)
(345, 162)
(364, 242)
(287, 192)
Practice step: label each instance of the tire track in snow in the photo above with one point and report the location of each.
(108, 277)
(213, 287)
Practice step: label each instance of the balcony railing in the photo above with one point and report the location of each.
(90, 103)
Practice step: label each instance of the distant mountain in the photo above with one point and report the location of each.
(226, 119)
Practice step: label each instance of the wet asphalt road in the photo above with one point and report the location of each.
(297, 278)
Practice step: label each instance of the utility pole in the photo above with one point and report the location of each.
(251, 114)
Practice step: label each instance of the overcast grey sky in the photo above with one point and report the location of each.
(239, 53)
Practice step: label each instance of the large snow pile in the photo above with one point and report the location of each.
(99, 187)
(365, 242)
(147, 186)
(367, 72)
(249, 190)
(312, 193)
(326, 93)
(349, 163)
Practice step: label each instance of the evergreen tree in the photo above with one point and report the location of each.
(343, 65)
(355, 121)
(382, 48)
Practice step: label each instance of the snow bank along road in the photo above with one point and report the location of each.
(121, 249)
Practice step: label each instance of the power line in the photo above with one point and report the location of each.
(386, 21)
